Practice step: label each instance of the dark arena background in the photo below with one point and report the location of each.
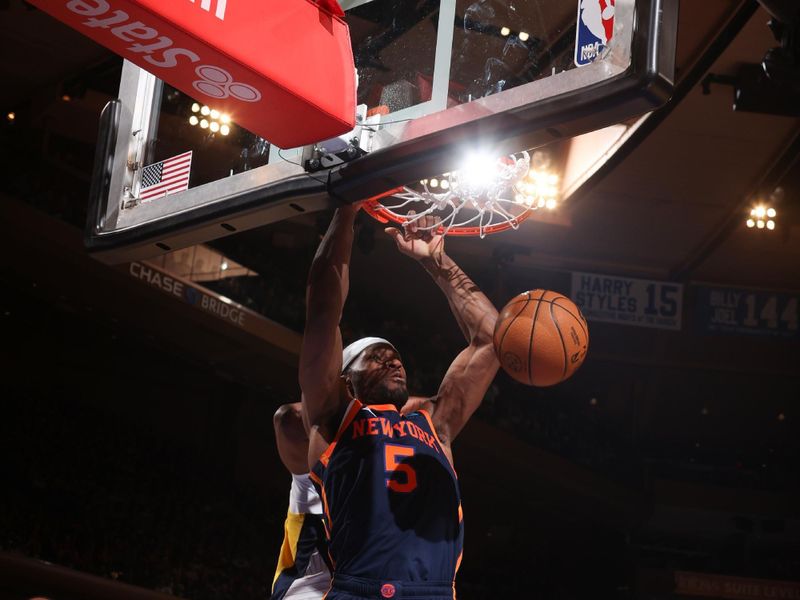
(137, 451)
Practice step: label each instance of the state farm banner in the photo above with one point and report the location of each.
(283, 70)
(628, 301)
(734, 588)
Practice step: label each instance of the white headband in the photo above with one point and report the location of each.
(352, 351)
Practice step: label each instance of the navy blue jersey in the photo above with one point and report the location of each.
(391, 498)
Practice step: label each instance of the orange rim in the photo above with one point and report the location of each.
(377, 211)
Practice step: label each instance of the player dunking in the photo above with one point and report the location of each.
(387, 483)
(303, 571)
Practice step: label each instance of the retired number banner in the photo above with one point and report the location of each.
(746, 312)
(628, 301)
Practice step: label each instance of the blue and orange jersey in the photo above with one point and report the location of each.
(391, 497)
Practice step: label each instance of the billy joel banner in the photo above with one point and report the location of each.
(746, 312)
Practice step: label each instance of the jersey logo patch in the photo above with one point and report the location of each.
(387, 590)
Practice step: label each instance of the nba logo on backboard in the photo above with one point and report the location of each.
(594, 31)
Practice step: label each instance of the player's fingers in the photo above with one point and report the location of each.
(394, 233)
(411, 226)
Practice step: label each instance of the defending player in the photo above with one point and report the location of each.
(387, 483)
(303, 571)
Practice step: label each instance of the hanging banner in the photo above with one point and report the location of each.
(628, 301)
(746, 312)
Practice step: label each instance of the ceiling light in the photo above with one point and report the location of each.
(224, 130)
(11, 116)
(770, 225)
(193, 120)
(205, 111)
(225, 118)
(504, 31)
(760, 224)
(195, 107)
(214, 126)
(771, 213)
(224, 266)
(523, 36)
(204, 124)
(751, 223)
(214, 113)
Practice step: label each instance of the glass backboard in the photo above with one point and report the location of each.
(436, 79)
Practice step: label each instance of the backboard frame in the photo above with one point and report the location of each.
(635, 76)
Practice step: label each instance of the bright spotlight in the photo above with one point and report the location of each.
(751, 223)
(771, 213)
(214, 113)
(193, 120)
(479, 171)
(761, 212)
(760, 224)
(205, 111)
(550, 204)
(204, 124)
(214, 126)
(224, 130)
(445, 184)
(523, 37)
(224, 266)
(770, 225)
(11, 116)
(225, 118)
(504, 31)
(434, 182)
(195, 107)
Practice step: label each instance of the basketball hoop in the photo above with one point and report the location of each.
(472, 202)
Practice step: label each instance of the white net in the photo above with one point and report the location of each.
(486, 196)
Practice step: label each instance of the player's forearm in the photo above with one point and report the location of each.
(474, 313)
(328, 280)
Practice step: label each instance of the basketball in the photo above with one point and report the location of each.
(541, 338)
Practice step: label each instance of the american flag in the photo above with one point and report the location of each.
(166, 177)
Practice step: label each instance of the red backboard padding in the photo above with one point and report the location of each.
(282, 69)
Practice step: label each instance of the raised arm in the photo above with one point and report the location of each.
(291, 437)
(473, 370)
(321, 352)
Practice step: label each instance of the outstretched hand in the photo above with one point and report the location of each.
(418, 239)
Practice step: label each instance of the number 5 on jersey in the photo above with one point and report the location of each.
(392, 457)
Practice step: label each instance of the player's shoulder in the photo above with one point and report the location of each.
(418, 403)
